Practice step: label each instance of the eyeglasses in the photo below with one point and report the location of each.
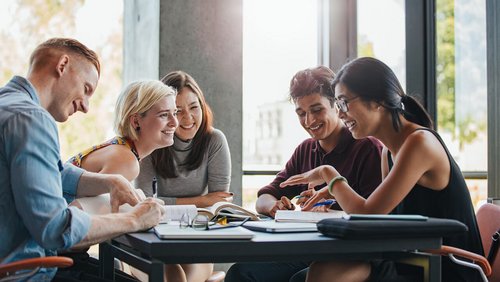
(341, 103)
(201, 222)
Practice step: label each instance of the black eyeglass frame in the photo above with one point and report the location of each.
(201, 222)
(342, 103)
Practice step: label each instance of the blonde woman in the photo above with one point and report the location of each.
(145, 120)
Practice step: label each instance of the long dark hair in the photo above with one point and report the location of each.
(372, 80)
(163, 160)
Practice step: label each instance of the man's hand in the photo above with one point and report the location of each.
(121, 192)
(148, 213)
(120, 189)
(143, 216)
(282, 204)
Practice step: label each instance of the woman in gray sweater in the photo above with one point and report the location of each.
(197, 168)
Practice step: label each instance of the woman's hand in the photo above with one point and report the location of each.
(211, 198)
(313, 178)
(316, 197)
(305, 196)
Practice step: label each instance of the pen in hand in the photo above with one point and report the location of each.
(154, 185)
(324, 203)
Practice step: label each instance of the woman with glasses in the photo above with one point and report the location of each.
(197, 168)
(419, 174)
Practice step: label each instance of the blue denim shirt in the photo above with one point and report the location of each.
(35, 219)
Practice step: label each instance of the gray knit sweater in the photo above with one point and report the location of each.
(214, 173)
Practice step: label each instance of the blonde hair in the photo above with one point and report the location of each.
(137, 98)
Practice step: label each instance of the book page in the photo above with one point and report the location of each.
(306, 216)
(175, 212)
(232, 210)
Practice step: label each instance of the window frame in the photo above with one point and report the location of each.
(493, 81)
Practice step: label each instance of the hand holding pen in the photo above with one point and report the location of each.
(323, 206)
(326, 203)
(304, 197)
(320, 201)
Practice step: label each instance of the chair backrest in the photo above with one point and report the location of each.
(488, 220)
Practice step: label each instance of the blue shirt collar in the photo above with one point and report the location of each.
(23, 85)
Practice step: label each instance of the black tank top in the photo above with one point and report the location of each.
(453, 202)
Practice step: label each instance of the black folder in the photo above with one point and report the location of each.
(383, 229)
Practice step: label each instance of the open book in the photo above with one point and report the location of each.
(229, 210)
(306, 216)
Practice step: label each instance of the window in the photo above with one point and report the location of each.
(381, 33)
(462, 88)
(274, 49)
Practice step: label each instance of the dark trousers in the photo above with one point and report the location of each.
(267, 271)
(86, 268)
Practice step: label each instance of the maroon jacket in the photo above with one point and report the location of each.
(356, 160)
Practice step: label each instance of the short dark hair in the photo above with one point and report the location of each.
(70, 45)
(312, 80)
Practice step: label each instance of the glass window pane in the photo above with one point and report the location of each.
(461, 84)
(275, 46)
(381, 33)
(252, 184)
(478, 189)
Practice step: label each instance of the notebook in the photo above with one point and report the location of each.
(306, 216)
(173, 231)
(272, 226)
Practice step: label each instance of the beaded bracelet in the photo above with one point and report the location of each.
(332, 182)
